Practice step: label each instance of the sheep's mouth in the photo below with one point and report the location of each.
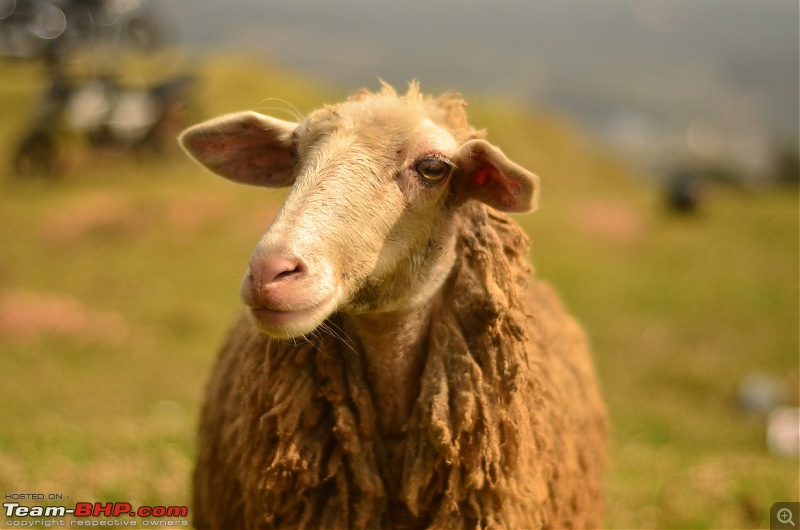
(281, 323)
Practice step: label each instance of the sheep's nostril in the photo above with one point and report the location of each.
(269, 271)
(298, 269)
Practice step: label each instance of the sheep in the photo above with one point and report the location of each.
(397, 364)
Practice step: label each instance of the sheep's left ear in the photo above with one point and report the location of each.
(485, 174)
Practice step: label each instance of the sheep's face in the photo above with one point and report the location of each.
(365, 227)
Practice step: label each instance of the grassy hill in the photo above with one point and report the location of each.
(118, 280)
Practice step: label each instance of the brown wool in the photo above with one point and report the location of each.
(508, 430)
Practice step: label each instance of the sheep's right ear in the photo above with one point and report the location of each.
(245, 147)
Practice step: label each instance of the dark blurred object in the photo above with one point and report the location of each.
(50, 29)
(108, 114)
(684, 192)
(787, 165)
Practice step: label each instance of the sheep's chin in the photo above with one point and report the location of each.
(291, 324)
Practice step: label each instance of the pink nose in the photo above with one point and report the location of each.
(272, 282)
(270, 271)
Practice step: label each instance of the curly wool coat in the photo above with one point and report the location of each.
(508, 430)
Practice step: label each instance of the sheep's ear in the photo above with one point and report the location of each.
(485, 174)
(245, 147)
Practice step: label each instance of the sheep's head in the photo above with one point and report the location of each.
(375, 181)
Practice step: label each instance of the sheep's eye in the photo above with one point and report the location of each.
(433, 169)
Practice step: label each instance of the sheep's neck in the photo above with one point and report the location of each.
(394, 346)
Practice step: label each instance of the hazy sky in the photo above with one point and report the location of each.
(668, 62)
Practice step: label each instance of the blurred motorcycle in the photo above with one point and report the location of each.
(108, 114)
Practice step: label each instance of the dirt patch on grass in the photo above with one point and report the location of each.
(26, 315)
(611, 221)
(98, 214)
(193, 212)
(104, 215)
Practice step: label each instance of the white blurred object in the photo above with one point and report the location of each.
(783, 432)
(133, 115)
(89, 106)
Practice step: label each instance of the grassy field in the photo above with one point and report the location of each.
(118, 280)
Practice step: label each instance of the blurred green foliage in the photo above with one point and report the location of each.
(118, 280)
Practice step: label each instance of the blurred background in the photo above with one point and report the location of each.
(665, 134)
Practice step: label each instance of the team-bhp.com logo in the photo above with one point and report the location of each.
(88, 514)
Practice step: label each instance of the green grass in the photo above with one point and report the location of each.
(136, 263)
